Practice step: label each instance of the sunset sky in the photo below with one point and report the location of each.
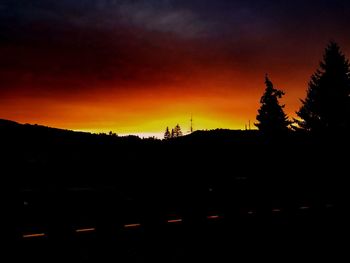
(133, 66)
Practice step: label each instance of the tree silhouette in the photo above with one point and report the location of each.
(177, 131)
(271, 117)
(326, 107)
(167, 134)
(172, 133)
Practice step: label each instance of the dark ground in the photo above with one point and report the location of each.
(277, 199)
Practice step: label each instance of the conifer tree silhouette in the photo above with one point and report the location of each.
(327, 104)
(167, 134)
(271, 117)
(177, 131)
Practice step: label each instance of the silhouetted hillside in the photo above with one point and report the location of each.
(26, 132)
(38, 156)
(69, 180)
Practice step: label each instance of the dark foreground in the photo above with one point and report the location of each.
(94, 227)
(219, 196)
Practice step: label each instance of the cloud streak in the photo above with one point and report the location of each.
(162, 18)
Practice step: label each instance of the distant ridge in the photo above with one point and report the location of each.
(12, 132)
(4, 123)
(217, 134)
(12, 124)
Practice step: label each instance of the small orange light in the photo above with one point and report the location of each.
(175, 221)
(132, 225)
(34, 235)
(85, 230)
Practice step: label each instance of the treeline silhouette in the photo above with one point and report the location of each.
(326, 108)
(175, 132)
(324, 111)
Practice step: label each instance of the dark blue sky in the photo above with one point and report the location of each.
(202, 16)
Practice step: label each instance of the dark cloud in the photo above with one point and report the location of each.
(249, 19)
(73, 45)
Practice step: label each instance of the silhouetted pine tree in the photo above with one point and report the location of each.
(271, 117)
(326, 107)
(177, 131)
(167, 134)
(172, 133)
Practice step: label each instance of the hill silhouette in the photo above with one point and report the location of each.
(37, 145)
(39, 156)
(72, 179)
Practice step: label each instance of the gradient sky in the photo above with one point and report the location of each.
(134, 66)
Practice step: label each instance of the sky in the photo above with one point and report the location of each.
(138, 66)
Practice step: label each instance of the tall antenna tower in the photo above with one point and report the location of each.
(191, 129)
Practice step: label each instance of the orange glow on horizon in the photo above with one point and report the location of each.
(214, 103)
(101, 70)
